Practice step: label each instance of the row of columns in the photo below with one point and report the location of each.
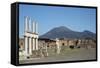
(31, 26)
(31, 36)
(31, 44)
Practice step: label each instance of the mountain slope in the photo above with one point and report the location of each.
(64, 32)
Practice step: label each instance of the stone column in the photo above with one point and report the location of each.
(26, 23)
(58, 46)
(30, 27)
(46, 49)
(33, 27)
(36, 43)
(36, 28)
(26, 45)
(33, 40)
(30, 46)
(79, 42)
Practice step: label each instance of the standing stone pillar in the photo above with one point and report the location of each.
(26, 46)
(36, 43)
(58, 46)
(79, 42)
(86, 43)
(30, 27)
(30, 46)
(46, 50)
(26, 23)
(36, 28)
(33, 27)
(33, 40)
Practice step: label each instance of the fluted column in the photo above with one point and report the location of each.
(36, 28)
(30, 27)
(26, 23)
(30, 46)
(33, 40)
(33, 27)
(36, 43)
(26, 45)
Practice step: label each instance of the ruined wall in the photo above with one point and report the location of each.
(80, 42)
(21, 44)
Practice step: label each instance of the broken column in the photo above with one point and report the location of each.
(58, 46)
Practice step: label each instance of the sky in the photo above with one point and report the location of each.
(49, 17)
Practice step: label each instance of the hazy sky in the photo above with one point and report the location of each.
(48, 17)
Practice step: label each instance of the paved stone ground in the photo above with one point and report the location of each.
(67, 55)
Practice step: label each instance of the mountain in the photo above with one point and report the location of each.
(64, 32)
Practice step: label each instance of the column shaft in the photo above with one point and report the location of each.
(36, 28)
(30, 46)
(33, 44)
(58, 46)
(30, 27)
(36, 44)
(33, 26)
(26, 46)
